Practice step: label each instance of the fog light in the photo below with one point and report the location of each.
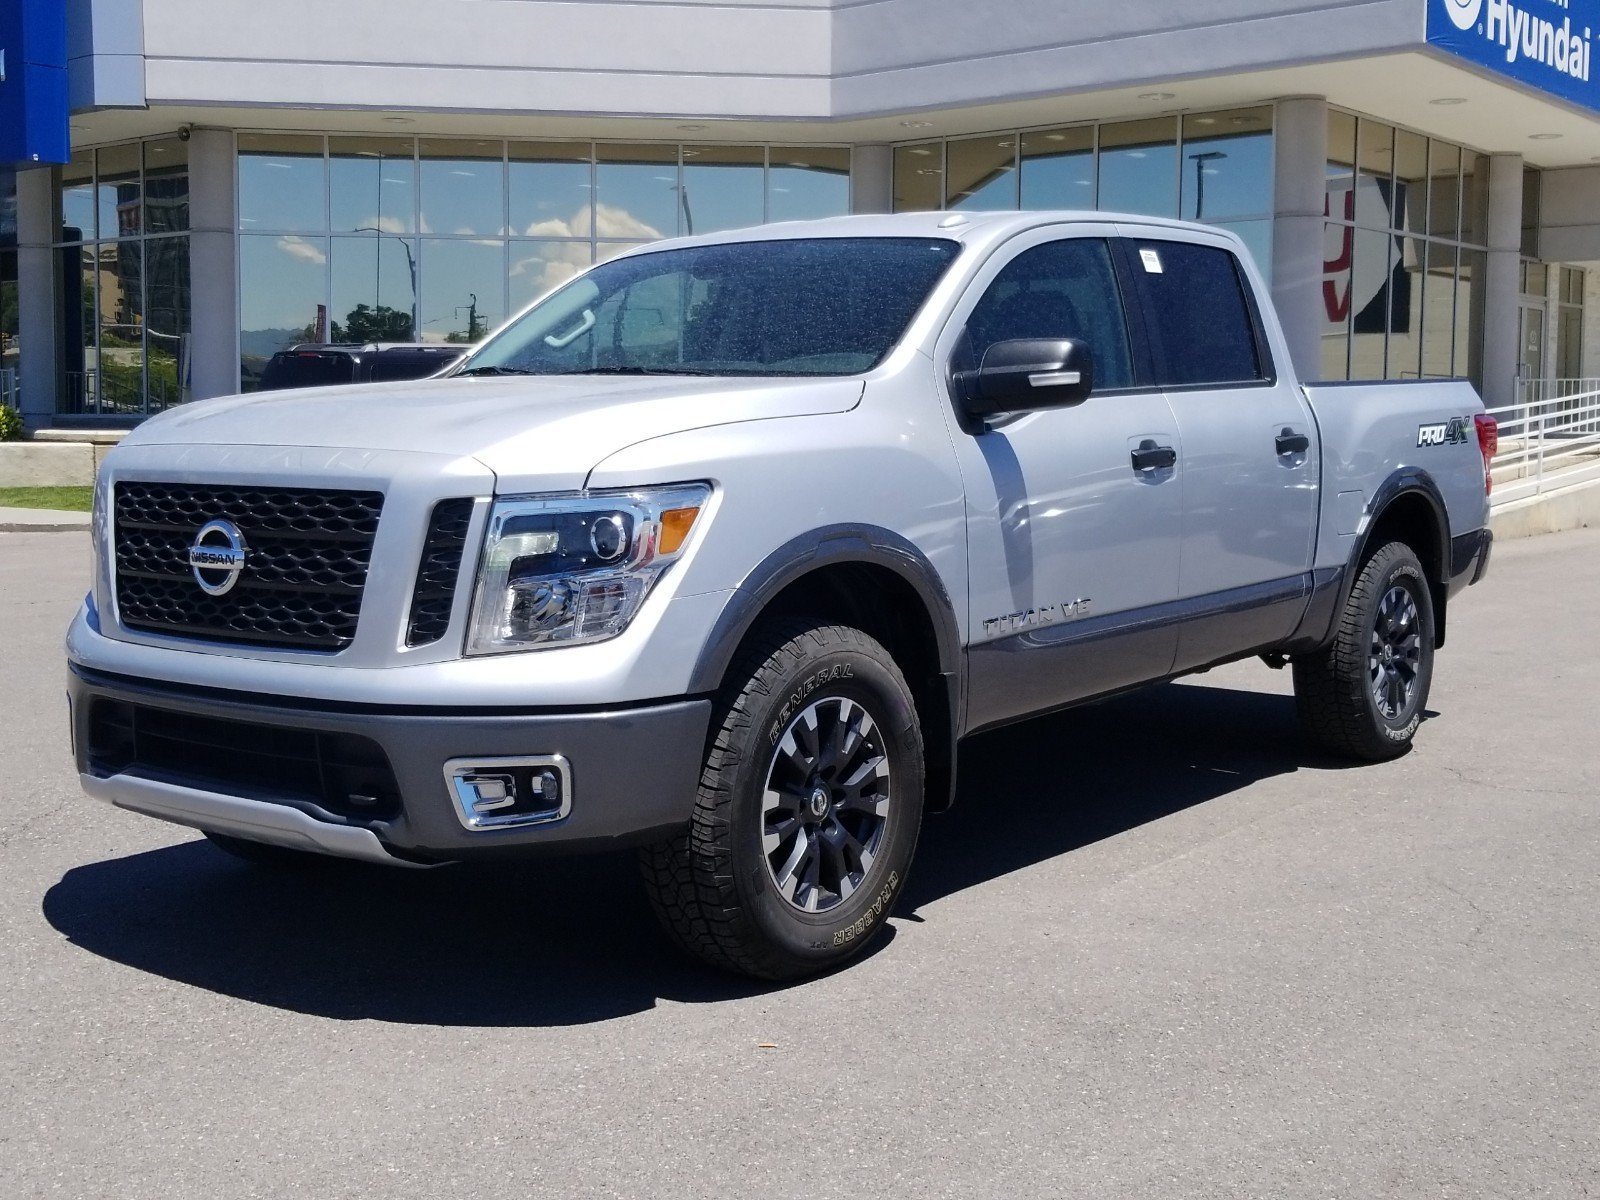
(504, 793)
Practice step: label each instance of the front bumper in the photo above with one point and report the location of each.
(633, 770)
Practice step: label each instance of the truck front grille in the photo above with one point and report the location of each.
(304, 569)
(435, 591)
(338, 774)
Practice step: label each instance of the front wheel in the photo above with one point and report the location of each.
(1363, 697)
(809, 807)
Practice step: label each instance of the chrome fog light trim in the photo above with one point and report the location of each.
(509, 793)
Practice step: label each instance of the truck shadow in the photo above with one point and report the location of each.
(572, 941)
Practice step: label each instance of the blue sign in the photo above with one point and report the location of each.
(1545, 44)
(33, 81)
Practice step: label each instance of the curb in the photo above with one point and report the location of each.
(1574, 507)
(43, 527)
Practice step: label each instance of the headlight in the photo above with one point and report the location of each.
(560, 570)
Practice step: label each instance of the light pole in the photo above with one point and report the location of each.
(411, 266)
(1200, 160)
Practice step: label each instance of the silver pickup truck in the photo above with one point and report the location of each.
(721, 548)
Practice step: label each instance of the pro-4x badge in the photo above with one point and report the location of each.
(1454, 430)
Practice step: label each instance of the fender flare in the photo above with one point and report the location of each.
(826, 546)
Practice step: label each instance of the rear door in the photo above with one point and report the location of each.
(1072, 547)
(1250, 456)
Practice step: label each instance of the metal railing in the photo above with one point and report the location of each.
(10, 393)
(1549, 439)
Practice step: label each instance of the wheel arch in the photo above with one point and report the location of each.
(1409, 507)
(877, 581)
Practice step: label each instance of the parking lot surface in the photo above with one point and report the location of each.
(1159, 950)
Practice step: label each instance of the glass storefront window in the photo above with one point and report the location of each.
(723, 187)
(1057, 168)
(463, 188)
(167, 321)
(121, 315)
(1444, 190)
(10, 348)
(77, 198)
(1410, 182)
(1227, 165)
(1139, 167)
(166, 186)
(918, 177)
(552, 186)
(283, 285)
(118, 199)
(804, 182)
(374, 282)
(462, 284)
(1474, 198)
(637, 191)
(980, 173)
(283, 183)
(1439, 312)
(372, 184)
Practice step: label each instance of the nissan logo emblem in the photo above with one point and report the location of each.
(217, 557)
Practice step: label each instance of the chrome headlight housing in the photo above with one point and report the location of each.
(564, 570)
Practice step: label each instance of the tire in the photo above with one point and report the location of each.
(789, 880)
(261, 854)
(1363, 697)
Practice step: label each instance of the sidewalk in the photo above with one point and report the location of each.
(41, 520)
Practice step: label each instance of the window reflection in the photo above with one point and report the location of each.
(463, 187)
(1410, 182)
(919, 177)
(1058, 168)
(637, 192)
(1444, 190)
(282, 183)
(1138, 167)
(120, 364)
(723, 187)
(1227, 164)
(373, 184)
(980, 173)
(283, 284)
(77, 198)
(167, 321)
(462, 287)
(374, 289)
(804, 182)
(1438, 312)
(166, 186)
(117, 191)
(551, 189)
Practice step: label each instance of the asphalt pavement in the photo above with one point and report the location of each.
(1159, 950)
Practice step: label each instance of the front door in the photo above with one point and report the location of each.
(1072, 547)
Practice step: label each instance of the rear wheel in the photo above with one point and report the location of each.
(1364, 696)
(809, 807)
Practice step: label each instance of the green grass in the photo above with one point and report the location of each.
(62, 499)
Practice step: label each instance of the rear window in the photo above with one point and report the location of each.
(405, 364)
(1202, 330)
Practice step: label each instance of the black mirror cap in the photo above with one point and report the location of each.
(1027, 374)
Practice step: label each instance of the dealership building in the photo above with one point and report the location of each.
(187, 186)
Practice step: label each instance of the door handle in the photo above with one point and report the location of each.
(1290, 442)
(1151, 457)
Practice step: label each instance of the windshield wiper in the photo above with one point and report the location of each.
(495, 371)
(640, 371)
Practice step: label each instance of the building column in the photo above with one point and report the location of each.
(1299, 206)
(1501, 281)
(871, 179)
(213, 265)
(37, 291)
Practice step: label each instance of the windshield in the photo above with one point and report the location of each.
(815, 306)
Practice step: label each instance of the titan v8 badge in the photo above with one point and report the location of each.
(1457, 429)
(1048, 614)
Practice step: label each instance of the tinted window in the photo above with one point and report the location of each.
(1200, 322)
(814, 306)
(307, 368)
(1058, 290)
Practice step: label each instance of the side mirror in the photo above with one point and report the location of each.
(1026, 374)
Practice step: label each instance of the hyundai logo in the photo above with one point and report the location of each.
(217, 557)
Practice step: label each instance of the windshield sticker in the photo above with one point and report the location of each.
(1151, 261)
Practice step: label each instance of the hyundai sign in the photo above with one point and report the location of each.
(33, 81)
(1545, 44)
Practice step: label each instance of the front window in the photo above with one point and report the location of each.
(814, 306)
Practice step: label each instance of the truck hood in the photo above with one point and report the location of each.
(553, 428)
